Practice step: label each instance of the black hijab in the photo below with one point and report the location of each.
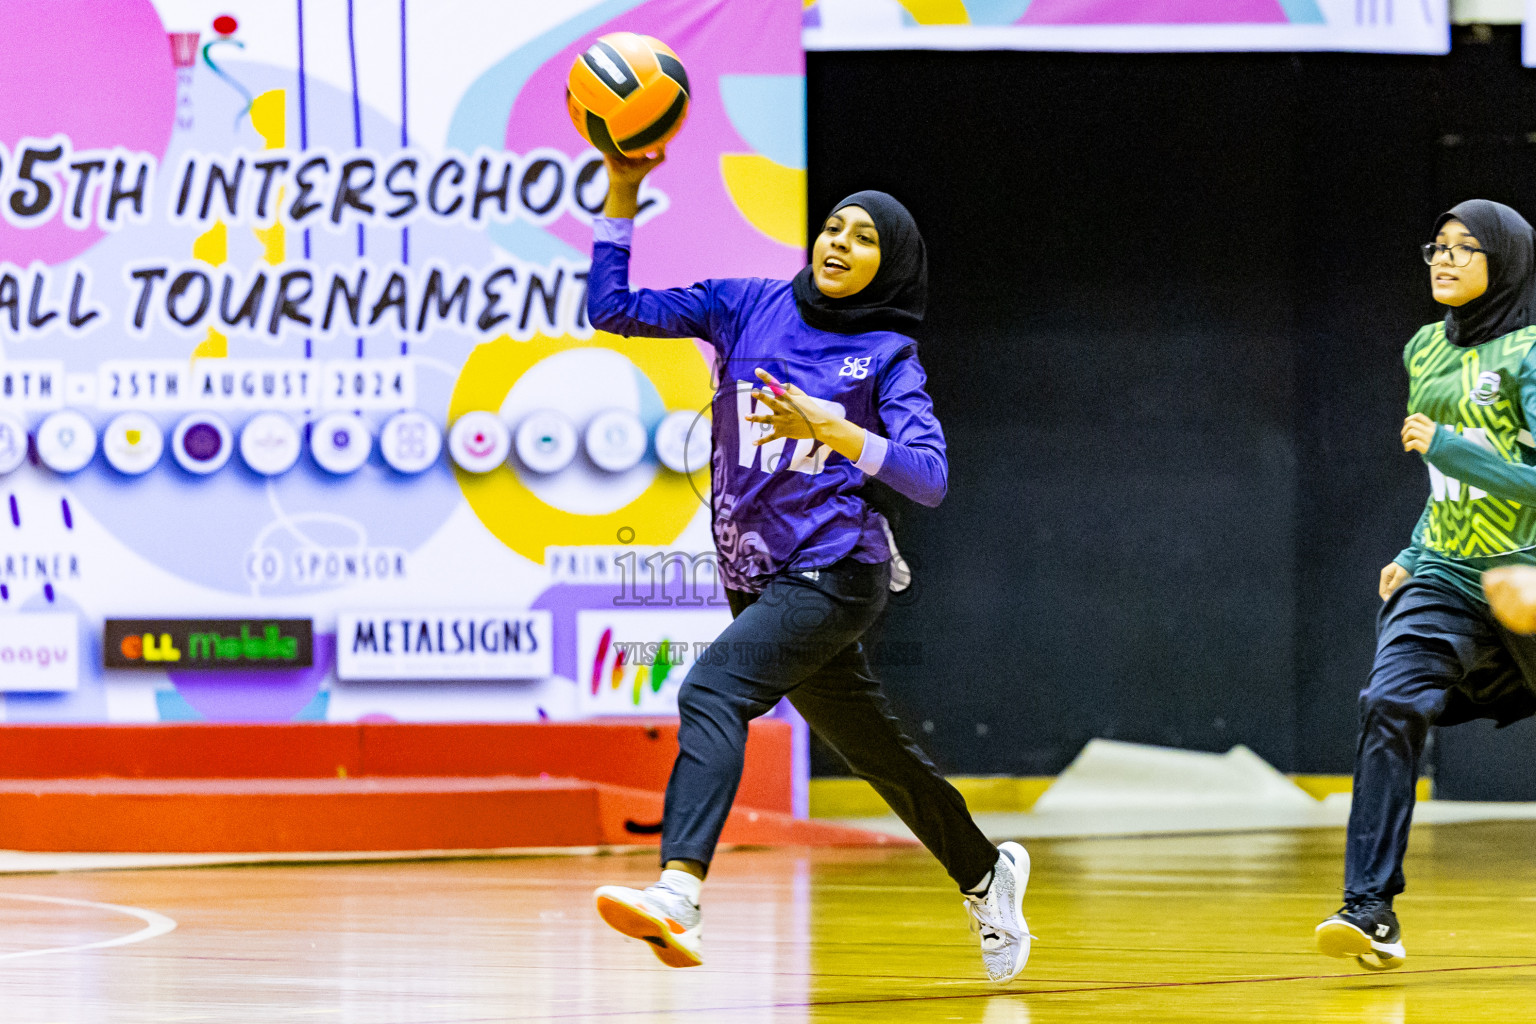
(1509, 303)
(897, 297)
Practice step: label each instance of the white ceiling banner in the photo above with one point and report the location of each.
(1528, 36)
(1130, 26)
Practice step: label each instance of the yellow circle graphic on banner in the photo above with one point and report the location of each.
(525, 521)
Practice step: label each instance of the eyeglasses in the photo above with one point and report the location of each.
(1461, 255)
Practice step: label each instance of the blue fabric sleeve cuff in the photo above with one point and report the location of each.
(872, 458)
(618, 231)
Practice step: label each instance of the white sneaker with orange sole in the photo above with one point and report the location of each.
(666, 919)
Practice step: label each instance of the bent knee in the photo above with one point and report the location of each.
(1380, 706)
(693, 698)
(705, 695)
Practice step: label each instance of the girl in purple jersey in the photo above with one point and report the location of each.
(820, 388)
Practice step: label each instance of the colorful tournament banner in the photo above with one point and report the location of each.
(295, 371)
(1132, 26)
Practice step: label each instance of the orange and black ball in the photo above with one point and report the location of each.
(627, 94)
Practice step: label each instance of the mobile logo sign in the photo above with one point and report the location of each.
(213, 644)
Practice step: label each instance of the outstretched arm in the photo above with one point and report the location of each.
(693, 312)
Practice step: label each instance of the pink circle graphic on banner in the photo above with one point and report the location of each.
(703, 234)
(97, 71)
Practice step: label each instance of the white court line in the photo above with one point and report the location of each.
(155, 925)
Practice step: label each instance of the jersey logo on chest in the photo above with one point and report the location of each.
(856, 367)
(1486, 390)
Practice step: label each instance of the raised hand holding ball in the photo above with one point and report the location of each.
(627, 94)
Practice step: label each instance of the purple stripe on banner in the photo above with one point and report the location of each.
(303, 96)
(69, 520)
(357, 105)
(48, 592)
(405, 140)
(303, 106)
(357, 110)
(359, 348)
(5, 592)
(15, 512)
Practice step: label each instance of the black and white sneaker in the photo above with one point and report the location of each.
(1367, 930)
(997, 915)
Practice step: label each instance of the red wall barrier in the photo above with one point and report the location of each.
(637, 753)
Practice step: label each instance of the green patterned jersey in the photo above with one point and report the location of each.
(1484, 394)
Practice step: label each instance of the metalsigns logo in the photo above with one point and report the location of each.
(214, 644)
(425, 644)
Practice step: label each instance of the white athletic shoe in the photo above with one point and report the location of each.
(998, 917)
(668, 920)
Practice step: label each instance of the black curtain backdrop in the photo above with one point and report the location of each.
(1169, 299)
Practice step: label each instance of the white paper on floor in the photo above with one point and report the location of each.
(1123, 789)
(1108, 774)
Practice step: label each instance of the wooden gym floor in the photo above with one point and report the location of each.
(1196, 928)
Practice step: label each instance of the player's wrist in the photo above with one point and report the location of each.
(1435, 434)
(846, 438)
(623, 200)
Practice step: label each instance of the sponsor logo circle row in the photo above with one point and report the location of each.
(410, 442)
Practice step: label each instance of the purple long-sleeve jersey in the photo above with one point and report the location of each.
(787, 504)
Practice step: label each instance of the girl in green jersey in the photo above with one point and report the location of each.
(1441, 656)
